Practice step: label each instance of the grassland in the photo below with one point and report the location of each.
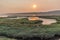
(4, 38)
(13, 28)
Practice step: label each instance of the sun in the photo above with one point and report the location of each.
(34, 6)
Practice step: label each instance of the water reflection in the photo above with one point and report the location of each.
(48, 21)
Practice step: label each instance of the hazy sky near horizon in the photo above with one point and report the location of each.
(9, 6)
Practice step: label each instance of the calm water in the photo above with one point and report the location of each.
(45, 21)
(48, 21)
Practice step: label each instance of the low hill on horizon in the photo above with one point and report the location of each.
(49, 13)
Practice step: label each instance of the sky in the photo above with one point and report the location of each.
(15, 6)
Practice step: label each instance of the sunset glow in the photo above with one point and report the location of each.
(33, 18)
(34, 6)
(13, 6)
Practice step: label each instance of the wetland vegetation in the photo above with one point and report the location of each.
(23, 29)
